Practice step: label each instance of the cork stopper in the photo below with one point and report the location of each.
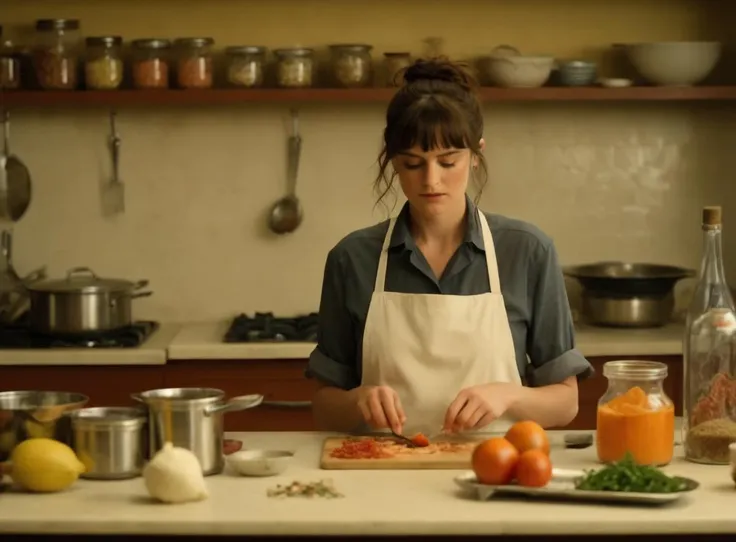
(712, 216)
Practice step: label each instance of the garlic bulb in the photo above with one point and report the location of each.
(174, 475)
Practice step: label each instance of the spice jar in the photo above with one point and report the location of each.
(151, 63)
(55, 53)
(635, 416)
(103, 68)
(194, 67)
(294, 67)
(245, 66)
(9, 65)
(352, 65)
(395, 63)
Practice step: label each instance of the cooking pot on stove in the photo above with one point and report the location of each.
(83, 303)
(621, 294)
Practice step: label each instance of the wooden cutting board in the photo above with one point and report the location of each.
(416, 458)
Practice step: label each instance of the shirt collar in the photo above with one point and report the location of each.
(401, 235)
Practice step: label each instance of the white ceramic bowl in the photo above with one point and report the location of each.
(259, 462)
(674, 63)
(518, 71)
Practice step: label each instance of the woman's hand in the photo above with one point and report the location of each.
(381, 407)
(478, 406)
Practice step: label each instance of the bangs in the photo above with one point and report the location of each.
(430, 123)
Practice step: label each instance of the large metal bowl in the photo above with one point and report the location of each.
(28, 414)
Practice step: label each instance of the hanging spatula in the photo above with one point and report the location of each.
(114, 192)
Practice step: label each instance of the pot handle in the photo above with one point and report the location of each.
(141, 294)
(137, 397)
(140, 284)
(235, 404)
(80, 271)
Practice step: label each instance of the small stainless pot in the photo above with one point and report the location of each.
(82, 303)
(110, 441)
(192, 418)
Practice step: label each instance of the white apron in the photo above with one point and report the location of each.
(428, 347)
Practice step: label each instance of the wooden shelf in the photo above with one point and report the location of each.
(214, 97)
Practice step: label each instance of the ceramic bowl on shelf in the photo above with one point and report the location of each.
(259, 462)
(508, 68)
(577, 73)
(674, 63)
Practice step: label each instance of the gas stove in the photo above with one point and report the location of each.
(19, 335)
(265, 327)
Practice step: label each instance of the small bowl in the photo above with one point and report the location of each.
(577, 73)
(259, 462)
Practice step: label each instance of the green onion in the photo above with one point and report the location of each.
(626, 475)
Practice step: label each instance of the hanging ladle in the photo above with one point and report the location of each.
(286, 214)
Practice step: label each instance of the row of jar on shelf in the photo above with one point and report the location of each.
(60, 59)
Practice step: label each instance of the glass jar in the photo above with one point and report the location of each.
(709, 355)
(9, 65)
(245, 66)
(194, 66)
(151, 63)
(635, 416)
(294, 67)
(352, 65)
(395, 63)
(55, 55)
(103, 68)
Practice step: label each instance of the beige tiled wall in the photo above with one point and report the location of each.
(607, 181)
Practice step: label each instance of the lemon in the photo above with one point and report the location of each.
(44, 465)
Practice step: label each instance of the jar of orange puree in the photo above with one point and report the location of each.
(635, 415)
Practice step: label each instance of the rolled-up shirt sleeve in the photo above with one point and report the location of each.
(551, 337)
(333, 361)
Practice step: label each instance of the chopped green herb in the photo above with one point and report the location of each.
(627, 476)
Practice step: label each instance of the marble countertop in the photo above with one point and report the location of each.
(418, 502)
(152, 352)
(204, 341)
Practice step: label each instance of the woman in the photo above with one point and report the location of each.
(422, 327)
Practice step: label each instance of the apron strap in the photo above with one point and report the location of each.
(383, 259)
(491, 261)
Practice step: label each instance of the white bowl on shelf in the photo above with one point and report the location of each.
(674, 63)
(259, 462)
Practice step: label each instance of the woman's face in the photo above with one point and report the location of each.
(436, 180)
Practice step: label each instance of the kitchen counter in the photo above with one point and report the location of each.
(204, 341)
(419, 502)
(152, 352)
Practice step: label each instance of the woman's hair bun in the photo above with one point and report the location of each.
(440, 69)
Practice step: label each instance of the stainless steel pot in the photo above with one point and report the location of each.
(110, 441)
(619, 294)
(28, 414)
(82, 303)
(192, 418)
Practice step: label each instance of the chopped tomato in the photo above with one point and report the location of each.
(419, 440)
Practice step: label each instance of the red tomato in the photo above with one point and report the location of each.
(534, 469)
(528, 435)
(419, 440)
(494, 461)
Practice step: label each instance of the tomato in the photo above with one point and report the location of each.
(419, 440)
(528, 435)
(494, 461)
(534, 469)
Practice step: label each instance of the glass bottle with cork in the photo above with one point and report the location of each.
(709, 355)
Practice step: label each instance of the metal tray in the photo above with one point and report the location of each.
(562, 487)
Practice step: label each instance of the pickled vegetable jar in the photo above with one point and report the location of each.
(635, 416)
(103, 68)
(245, 65)
(194, 67)
(151, 63)
(352, 65)
(294, 67)
(55, 55)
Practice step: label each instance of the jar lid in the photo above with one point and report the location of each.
(107, 41)
(632, 369)
(295, 51)
(57, 24)
(355, 47)
(151, 43)
(245, 50)
(193, 42)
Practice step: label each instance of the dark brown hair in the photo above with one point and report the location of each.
(437, 107)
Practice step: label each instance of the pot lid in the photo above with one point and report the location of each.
(83, 280)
